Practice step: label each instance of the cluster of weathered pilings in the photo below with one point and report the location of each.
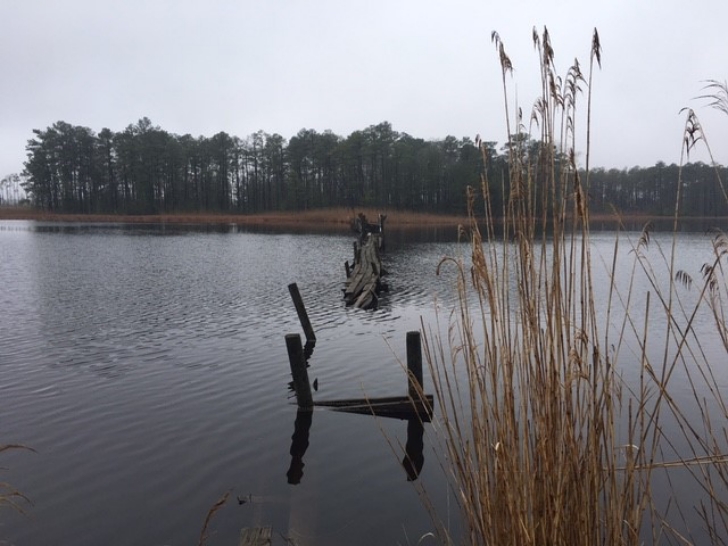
(415, 404)
(362, 290)
(416, 407)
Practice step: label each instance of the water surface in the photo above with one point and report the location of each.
(147, 367)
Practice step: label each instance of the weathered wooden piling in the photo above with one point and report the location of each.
(301, 310)
(299, 372)
(364, 227)
(348, 269)
(414, 365)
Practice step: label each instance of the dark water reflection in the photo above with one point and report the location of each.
(412, 462)
(147, 366)
(414, 456)
(299, 445)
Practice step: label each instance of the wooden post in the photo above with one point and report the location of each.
(356, 253)
(348, 269)
(299, 372)
(414, 365)
(301, 310)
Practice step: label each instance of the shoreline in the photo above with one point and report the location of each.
(332, 218)
(338, 217)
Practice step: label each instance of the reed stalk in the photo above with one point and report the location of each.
(552, 404)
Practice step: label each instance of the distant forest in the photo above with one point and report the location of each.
(147, 170)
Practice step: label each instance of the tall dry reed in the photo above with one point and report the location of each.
(550, 438)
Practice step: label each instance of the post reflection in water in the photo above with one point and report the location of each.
(299, 445)
(412, 462)
(414, 457)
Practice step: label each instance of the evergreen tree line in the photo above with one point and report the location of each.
(146, 170)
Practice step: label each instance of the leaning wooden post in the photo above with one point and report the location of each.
(414, 365)
(348, 269)
(301, 310)
(299, 372)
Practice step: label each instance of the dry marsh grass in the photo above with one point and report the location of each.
(336, 218)
(340, 217)
(558, 409)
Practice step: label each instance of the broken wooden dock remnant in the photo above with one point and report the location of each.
(416, 408)
(363, 282)
(416, 404)
(363, 285)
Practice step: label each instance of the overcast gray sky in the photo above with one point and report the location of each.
(426, 66)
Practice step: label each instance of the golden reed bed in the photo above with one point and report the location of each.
(340, 216)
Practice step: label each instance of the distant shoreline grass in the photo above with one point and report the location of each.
(332, 217)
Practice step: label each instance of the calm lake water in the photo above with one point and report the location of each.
(147, 367)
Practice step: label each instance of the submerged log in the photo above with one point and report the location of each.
(399, 407)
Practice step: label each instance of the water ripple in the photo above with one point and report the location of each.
(150, 374)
